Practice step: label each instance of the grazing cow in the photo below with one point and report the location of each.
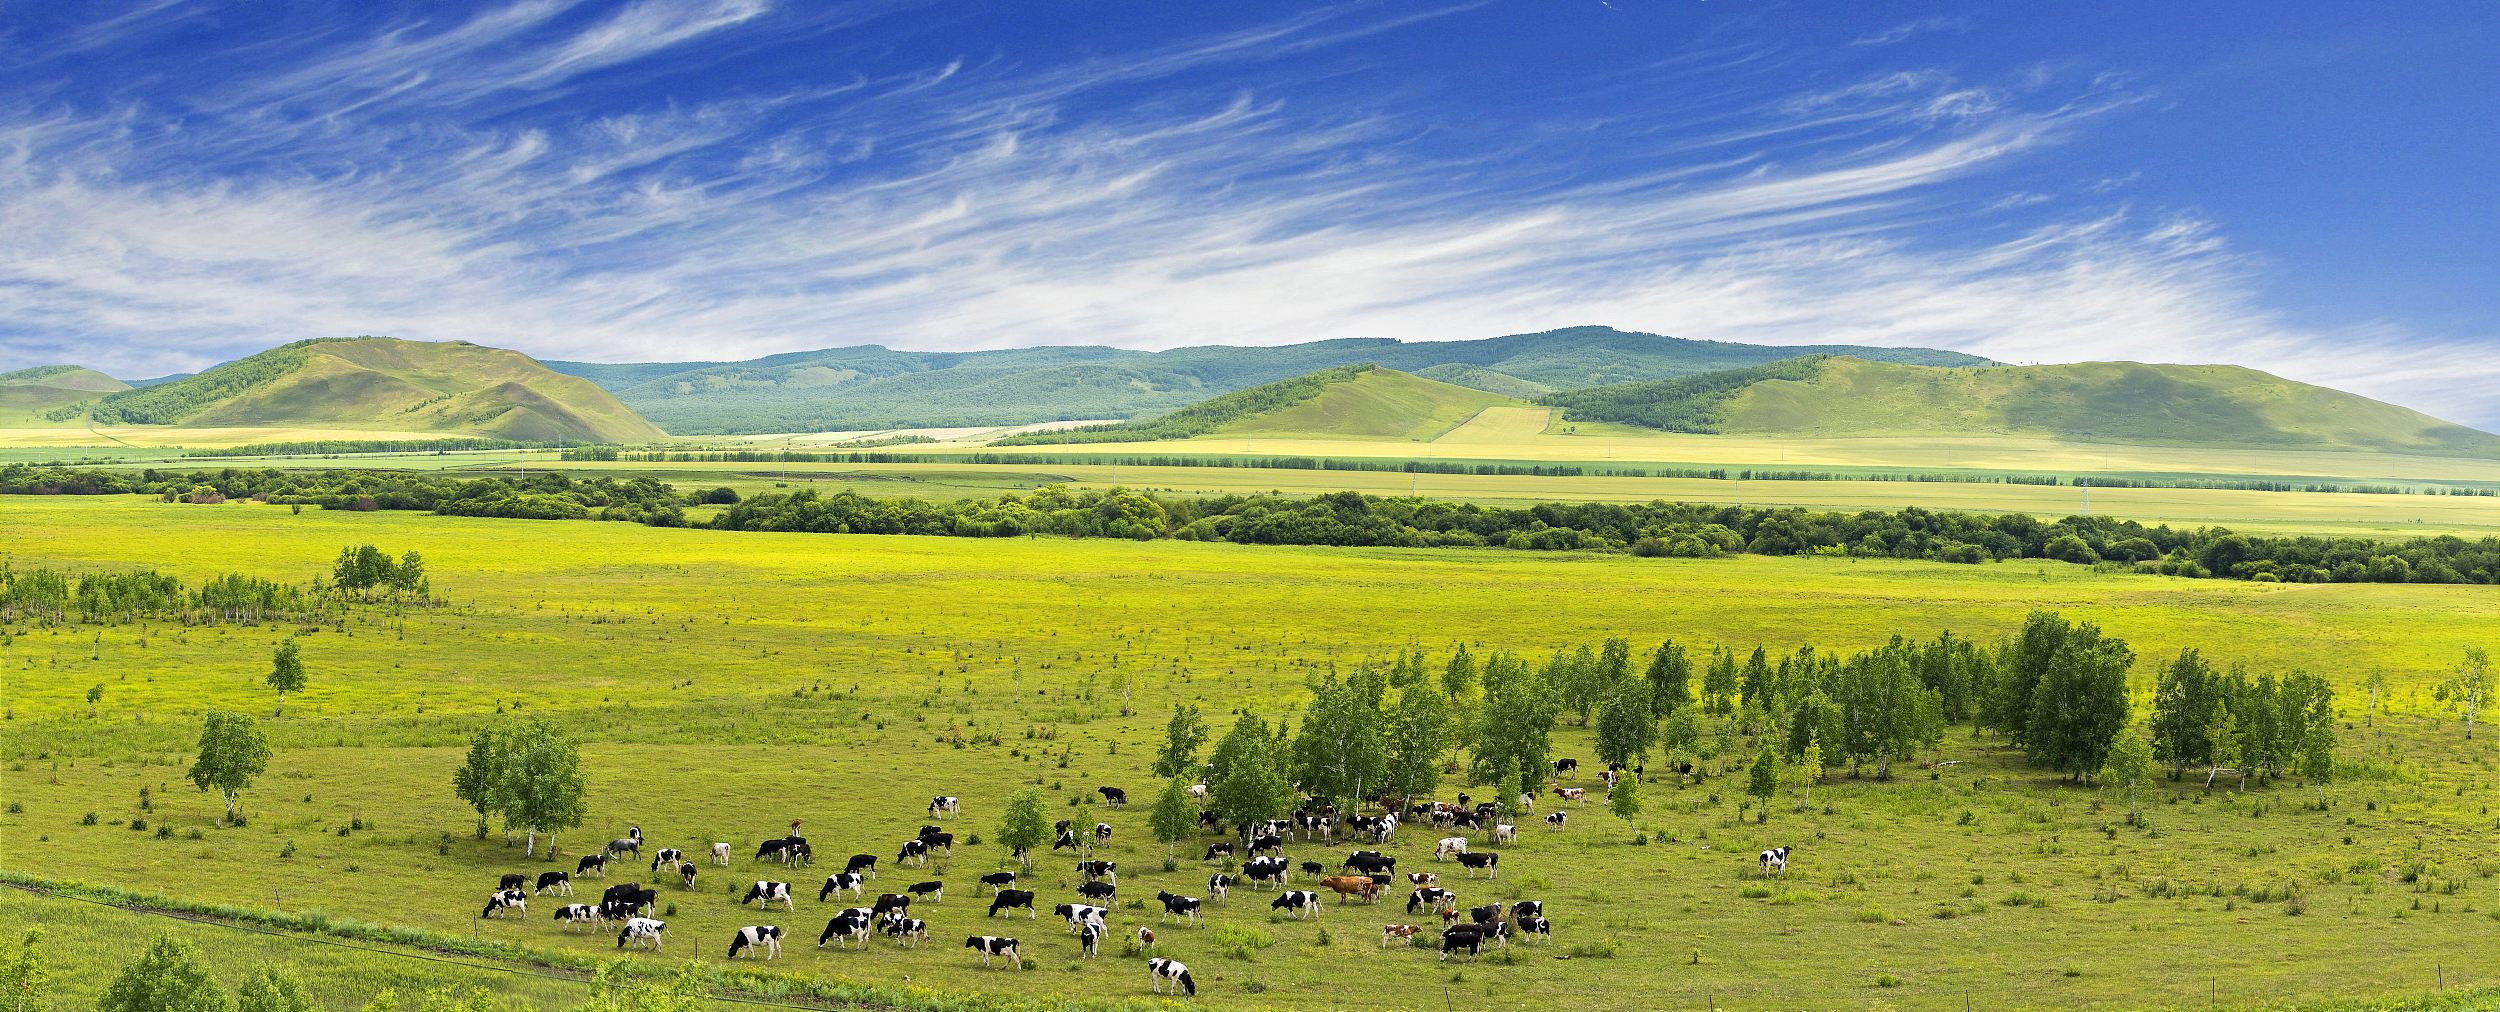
(555, 880)
(908, 932)
(934, 892)
(1609, 778)
(914, 852)
(1527, 908)
(1177, 904)
(1527, 802)
(1371, 861)
(685, 874)
(940, 841)
(1379, 827)
(1298, 903)
(1397, 933)
(580, 915)
(1466, 937)
(1536, 927)
(720, 854)
(1104, 891)
(1449, 845)
(1145, 937)
(764, 938)
(631, 895)
(667, 856)
(1102, 833)
(889, 901)
(1267, 869)
(1420, 879)
(642, 931)
(1775, 860)
(1566, 767)
(1198, 792)
(1091, 870)
(944, 805)
(508, 902)
(992, 945)
(1265, 844)
(1437, 899)
(786, 849)
(1209, 821)
(1353, 885)
(1113, 796)
(1314, 869)
(1490, 913)
(1577, 795)
(512, 880)
(1066, 838)
(852, 924)
(1090, 937)
(1078, 915)
(624, 845)
(1008, 899)
(799, 853)
(1504, 832)
(839, 882)
(590, 863)
(1216, 850)
(774, 892)
(862, 863)
(996, 880)
(1160, 971)
(1555, 821)
(1220, 887)
(1489, 863)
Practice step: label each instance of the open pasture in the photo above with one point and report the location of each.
(727, 683)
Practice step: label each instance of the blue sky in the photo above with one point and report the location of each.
(2304, 188)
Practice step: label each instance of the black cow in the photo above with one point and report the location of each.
(1566, 766)
(890, 901)
(1371, 861)
(1466, 937)
(1174, 903)
(838, 882)
(764, 938)
(992, 945)
(1525, 909)
(1488, 862)
(1314, 869)
(1078, 915)
(934, 892)
(776, 849)
(1536, 926)
(1090, 938)
(581, 915)
(1008, 899)
(1265, 844)
(862, 863)
(1102, 833)
(512, 880)
(592, 862)
(906, 931)
(996, 880)
(1486, 914)
(555, 880)
(1097, 890)
(633, 896)
(1065, 839)
(1216, 850)
(1113, 796)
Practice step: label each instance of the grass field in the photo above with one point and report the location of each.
(729, 682)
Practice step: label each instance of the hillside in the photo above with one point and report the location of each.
(876, 387)
(2126, 402)
(30, 395)
(1375, 404)
(385, 383)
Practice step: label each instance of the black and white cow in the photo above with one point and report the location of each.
(1527, 908)
(800, 854)
(1161, 971)
(849, 925)
(1430, 897)
(1504, 832)
(1078, 915)
(686, 873)
(841, 882)
(944, 805)
(1449, 845)
(666, 856)
(1009, 899)
(1556, 820)
(755, 938)
(590, 863)
(1066, 838)
(1267, 869)
(771, 893)
(1105, 870)
(992, 945)
(1177, 904)
(1775, 860)
(1216, 850)
(934, 892)
(1536, 927)
(996, 880)
(1113, 796)
(642, 931)
(1090, 937)
(908, 932)
(777, 849)
(580, 915)
(1489, 863)
(1103, 892)
(890, 901)
(1102, 833)
(1566, 767)
(1272, 827)
(866, 863)
(1468, 938)
(556, 881)
(1297, 903)
(1220, 887)
(508, 902)
(1266, 845)
(915, 852)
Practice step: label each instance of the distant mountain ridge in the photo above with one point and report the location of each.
(871, 386)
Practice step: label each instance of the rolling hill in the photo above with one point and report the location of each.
(2122, 402)
(385, 384)
(45, 389)
(876, 387)
(1360, 401)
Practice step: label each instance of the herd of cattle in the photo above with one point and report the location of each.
(1364, 875)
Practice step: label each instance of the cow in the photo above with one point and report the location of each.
(1266, 844)
(631, 895)
(590, 863)
(992, 945)
(1566, 767)
(1314, 869)
(1297, 903)
(1079, 914)
(1775, 860)
(667, 856)
(1102, 833)
(1145, 937)
(624, 845)
(1220, 887)
(1353, 885)
(840, 882)
(1066, 838)
(1216, 850)
(1198, 792)
(685, 874)
(1090, 938)
(1105, 870)
(764, 938)
(512, 880)
(944, 805)
(1449, 845)
(1177, 904)
(1209, 821)
(889, 901)
(1555, 821)
(771, 893)
(1527, 801)
(785, 849)
(996, 880)
(1435, 898)
(617, 910)
(1396, 933)
(1537, 927)
(1610, 778)
(1161, 971)
(1490, 913)
(934, 892)
(1466, 937)
(861, 864)
(1527, 908)
(1267, 869)
(1370, 861)
(1008, 899)
(508, 902)
(1420, 879)
(642, 931)
(580, 915)
(1102, 891)
(556, 881)
(1113, 796)
(1504, 832)
(720, 854)
(849, 925)
(908, 932)
(914, 852)
(1489, 863)
(1576, 795)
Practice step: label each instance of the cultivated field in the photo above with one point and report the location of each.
(730, 682)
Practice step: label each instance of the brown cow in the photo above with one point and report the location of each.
(1352, 885)
(1393, 932)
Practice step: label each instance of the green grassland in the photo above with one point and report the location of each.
(1378, 404)
(729, 682)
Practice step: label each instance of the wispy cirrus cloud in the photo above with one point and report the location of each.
(416, 179)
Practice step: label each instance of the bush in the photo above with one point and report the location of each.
(88, 821)
(1240, 942)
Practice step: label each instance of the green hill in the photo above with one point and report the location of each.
(385, 384)
(2128, 402)
(1374, 404)
(876, 387)
(29, 395)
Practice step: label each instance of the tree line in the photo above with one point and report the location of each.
(542, 496)
(43, 595)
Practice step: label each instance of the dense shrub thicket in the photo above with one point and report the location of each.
(547, 496)
(1683, 404)
(326, 446)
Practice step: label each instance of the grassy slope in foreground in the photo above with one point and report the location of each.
(386, 384)
(581, 620)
